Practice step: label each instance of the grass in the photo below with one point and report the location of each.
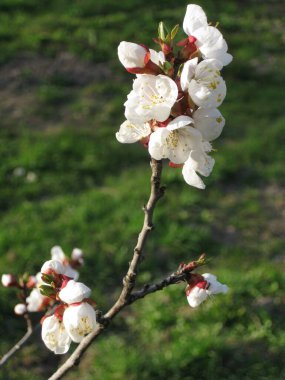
(63, 92)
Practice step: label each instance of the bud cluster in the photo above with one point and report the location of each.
(172, 109)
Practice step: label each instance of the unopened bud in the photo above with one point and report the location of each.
(9, 280)
(20, 309)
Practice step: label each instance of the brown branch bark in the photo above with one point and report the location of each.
(123, 300)
(20, 343)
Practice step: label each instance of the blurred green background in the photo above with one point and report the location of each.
(65, 180)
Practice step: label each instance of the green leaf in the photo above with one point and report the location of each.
(174, 31)
(46, 290)
(161, 33)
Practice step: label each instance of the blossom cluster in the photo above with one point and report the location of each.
(74, 316)
(56, 288)
(173, 106)
(32, 298)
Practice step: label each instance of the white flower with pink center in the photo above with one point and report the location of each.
(130, 133)
(209, 39)
(55, 336)
(79, 321)
(175, 141)
(152, 97)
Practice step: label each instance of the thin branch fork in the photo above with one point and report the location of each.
(124, 299)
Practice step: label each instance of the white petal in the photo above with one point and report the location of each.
(210, 122)
(215, 286)
(187, 73)
(201, 162)
(179, 122)
(20, 309)
(191, 177)
(197, 296)
(194, 18)
(131, 55)
(71, 273)
(74, 292)
(57, 253)
(130, 133)
(77, 254)
(208, 94)
(157, 57)
(35, 300)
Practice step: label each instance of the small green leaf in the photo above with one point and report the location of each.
(46, 290)
(47, 278)
(161, 33)
(174, 31)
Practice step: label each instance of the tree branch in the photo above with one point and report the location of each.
(156, 193)
(20, 343)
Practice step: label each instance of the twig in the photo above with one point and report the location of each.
(129, 280)
(20, 343)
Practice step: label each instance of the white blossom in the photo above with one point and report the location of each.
(71, 273)
(174, 141)
(7, 280)
(55, 336)
(210, 122)
(79, 320)
(204, 289)
(152, 97)
(20, 309)
(57, 254)
(157, 57)
(53, 266)
(130, 133)
(209, 39)
(200, 162)
(74, 292)
(36, 300)
(131, 55)
(205, 85)
(77, 254)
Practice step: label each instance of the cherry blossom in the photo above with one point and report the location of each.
(204, 83)
(152, 97)
(74, 292)
(209, 39)
(79, 321)
(175, 141)
(130, 133)
(55, 336)
(20, 309)
(202, 287)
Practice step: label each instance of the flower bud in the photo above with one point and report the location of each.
(74, 292)
(79, 320)
(20, 309)
(9, 280)
(77, 254)
(131, 55)
(53, 266)
(55, 336)
(57, 253)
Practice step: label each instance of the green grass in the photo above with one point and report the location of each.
(63, 93)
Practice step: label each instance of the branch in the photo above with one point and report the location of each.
(20, 343)
(123, 300)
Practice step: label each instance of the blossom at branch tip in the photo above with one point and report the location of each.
(209, 39)
(58, 254)
(202, 287)
(74, 292)
(152, 97)
(209, 121)
(204, 83)
(175, 141)
(131, 133)
(77, 254)
(79, 321)
(20, 309)
(55, 336)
